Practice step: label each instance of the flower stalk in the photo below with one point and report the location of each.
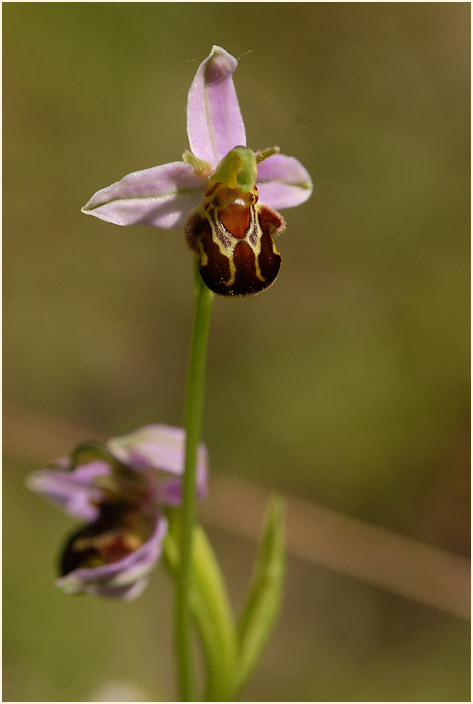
(193, 423)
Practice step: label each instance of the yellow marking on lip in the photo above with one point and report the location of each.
(224, 239)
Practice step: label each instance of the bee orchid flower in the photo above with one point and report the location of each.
(120, 490)
(223, 194)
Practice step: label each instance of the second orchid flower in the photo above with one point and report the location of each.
(121, 490)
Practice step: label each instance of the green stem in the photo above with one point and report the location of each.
(211, 611)
(193, 422)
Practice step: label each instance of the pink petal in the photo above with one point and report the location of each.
(127, 592)
(214, 121)
(168, 492)
(75, 491)
(283, 182)
(161, 449)
(162, 196)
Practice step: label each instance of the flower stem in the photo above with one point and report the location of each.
(193, 423)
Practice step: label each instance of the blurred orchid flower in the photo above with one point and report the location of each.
(120, 489)
(222, 192)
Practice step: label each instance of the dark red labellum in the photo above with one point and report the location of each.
(234, 242)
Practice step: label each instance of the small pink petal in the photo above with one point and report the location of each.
(214, 121)
(159, 451)
(75, 491)
(283, 182)
(162, 196)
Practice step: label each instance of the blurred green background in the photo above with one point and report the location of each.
(347, 383)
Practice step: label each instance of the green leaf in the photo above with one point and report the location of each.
(265, 593)
(211, 611)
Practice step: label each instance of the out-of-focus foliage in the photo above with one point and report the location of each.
(346, 383)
